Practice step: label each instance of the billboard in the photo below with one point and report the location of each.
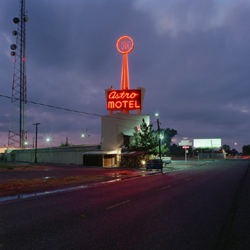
(207, 143)
(129, 99)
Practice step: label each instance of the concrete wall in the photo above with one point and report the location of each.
(115, 125)
(64, 155)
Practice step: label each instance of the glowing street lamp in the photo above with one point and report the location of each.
(48, 139)
(25, 144)
(85, 136)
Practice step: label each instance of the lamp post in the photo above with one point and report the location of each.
(67, 141)
(83, 135)
(158, 125)
(36, 140)
(88, 139)
(233, 147)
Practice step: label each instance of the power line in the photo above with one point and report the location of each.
(55, 107)
(69, 110)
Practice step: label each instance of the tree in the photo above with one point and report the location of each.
(66, 144)
(246, 150)
(148, 139)
(176, 150)
(226, 148)
(168, 134)
(164, 150)
(234, 152)
(145, 140)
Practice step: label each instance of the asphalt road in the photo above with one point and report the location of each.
(200, 208)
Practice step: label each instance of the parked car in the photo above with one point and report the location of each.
(154, 164)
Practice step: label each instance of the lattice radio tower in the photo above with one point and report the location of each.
(18, 117)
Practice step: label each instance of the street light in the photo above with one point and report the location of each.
(158, 124)
(85, 136)
(235, 144)
(36, 141)
(67, 141)
(48, 140)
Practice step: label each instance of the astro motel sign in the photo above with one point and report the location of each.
(125, 99)
(129, 99)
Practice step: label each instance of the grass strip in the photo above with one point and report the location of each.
(15, 186)
(6, 167)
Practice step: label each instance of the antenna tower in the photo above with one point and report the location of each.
(18, 118)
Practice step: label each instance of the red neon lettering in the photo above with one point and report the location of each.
(123, 95)
(111, 105)
(120, 104)
(137, 106)
(125, 103)
(131, 104)
(133, 95)
(112, 95)
(124, 99)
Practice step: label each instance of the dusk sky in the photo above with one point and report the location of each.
(191, 56)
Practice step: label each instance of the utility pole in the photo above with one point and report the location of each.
(17, 136)
(158, 124)
(36, 141)
(212, 150)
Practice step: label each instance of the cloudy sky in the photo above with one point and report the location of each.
(192, 56)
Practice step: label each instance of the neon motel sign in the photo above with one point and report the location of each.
(129, 99)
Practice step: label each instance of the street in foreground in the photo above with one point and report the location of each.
(202, 208)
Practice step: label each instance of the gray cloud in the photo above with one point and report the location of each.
(191, 56)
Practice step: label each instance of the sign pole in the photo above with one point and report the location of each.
(185, 143)
(185, 156)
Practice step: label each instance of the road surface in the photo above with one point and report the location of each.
(201, 208)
